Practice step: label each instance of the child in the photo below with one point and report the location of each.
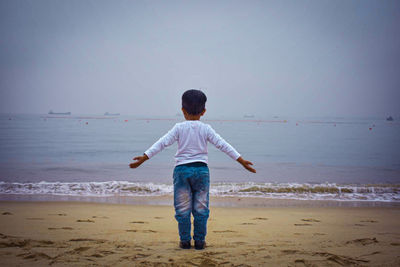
(191, 173)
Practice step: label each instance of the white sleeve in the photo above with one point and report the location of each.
(167, 140)
(221, 144)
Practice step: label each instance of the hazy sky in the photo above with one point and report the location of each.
(259, 57)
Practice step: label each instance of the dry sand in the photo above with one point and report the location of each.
(84, 234)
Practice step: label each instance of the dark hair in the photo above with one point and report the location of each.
(194, 101)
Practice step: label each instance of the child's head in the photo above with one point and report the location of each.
(194, 102)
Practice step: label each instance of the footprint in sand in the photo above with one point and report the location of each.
(290, 251)
(141, 231)
(369, 221)
(27, 243)
(141, 255)
(79, 250)
(6, 213)
(359, 224)
(149, 231)
(363, 241)
(40, 243)
(88, 220)
(247, 224)
(260, 219)
(97, 255)
(15, 243)
(303, 224)
(370, 254)
(225, 231)
(339, 259)
(395, 244)
(35, 219)
(139, 222)
(87, 240)
(34, 255)
(3, 236)
(158, 218)
(58, 214)
(62, 228)
(100, 217)
(119, 246)
(310, 220)
(107, 252)
(319, 234)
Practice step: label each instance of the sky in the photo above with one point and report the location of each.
(266, 58)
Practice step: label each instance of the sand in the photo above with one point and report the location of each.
(85, 234)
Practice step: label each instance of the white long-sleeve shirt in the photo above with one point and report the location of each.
(192, 137)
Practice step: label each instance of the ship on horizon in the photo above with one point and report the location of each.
(111, 114)
(247, 116)
(59, 113)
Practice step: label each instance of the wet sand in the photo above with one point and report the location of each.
(82, 234)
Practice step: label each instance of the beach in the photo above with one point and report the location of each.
(68, 197)
(60, 233)
(281, 116)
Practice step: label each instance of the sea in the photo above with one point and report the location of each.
(303, 158)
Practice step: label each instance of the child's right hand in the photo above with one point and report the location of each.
(139, 161)
(246, 164)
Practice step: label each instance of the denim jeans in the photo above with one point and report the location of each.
(191, 195)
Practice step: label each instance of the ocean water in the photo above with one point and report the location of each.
(343, 159)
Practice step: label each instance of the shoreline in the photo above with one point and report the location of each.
(88, 233)
(368, 193)
(215, 201)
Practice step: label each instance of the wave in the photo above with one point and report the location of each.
(302, 191)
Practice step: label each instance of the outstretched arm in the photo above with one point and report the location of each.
(167, 140)
(139, 161)
(224, 146)
(246, 164)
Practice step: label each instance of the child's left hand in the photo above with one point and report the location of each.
(139, 161)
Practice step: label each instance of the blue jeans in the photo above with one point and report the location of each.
(191, 195)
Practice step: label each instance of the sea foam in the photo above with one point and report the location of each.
(302, 191)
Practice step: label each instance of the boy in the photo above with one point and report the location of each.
(191, 173)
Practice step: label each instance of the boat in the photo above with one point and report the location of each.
(111, 114)
(248, 116)
(390, 118)
(59, 113)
